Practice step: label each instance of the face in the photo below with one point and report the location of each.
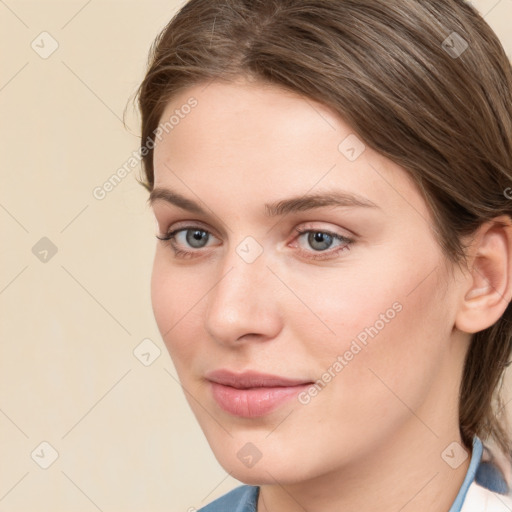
(302, 297)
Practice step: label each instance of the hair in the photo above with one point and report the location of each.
(425, 83)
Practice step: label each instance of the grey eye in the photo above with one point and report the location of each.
(196, 238)
(319, 241)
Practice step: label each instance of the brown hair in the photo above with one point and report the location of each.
(425, 83)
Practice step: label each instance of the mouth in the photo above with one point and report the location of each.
(252, 394)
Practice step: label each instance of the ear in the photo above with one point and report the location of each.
(487, 288)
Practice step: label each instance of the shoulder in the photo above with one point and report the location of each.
(240, 499)
(480, 499)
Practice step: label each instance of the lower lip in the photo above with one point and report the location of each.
(254, 402)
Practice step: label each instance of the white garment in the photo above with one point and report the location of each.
(480, 499)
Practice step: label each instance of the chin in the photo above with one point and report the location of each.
(267, 470)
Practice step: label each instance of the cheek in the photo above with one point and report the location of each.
(370, 323)
(340, 305)
(163, 293)
(174, 301)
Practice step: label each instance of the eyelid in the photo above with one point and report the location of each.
(170, 234)
(338, 231)
(168, 217)
(184, 225)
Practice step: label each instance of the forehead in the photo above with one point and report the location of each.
(252, 139)
(242, 115)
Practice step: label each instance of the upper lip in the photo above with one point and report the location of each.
(251, 379)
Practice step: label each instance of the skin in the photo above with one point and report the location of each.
(375, 433)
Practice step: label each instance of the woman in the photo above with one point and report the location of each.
(334, 266)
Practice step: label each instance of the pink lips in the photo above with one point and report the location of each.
(251, 394)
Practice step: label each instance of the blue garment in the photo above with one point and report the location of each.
(474, 464)
(245, 497)
(490, 477)
(241, 499)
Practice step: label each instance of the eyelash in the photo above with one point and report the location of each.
(169, 238)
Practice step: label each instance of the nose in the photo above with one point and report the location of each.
(243, 305)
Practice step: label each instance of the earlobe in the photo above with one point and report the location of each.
(488, 285)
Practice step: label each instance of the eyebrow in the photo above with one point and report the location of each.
(336, 198)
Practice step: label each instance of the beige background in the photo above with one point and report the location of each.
(125, 437)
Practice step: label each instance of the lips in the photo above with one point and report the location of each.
(251, 379)
(252, 394)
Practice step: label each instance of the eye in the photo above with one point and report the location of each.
(193, 237)
(320, 241)
(196, 238)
